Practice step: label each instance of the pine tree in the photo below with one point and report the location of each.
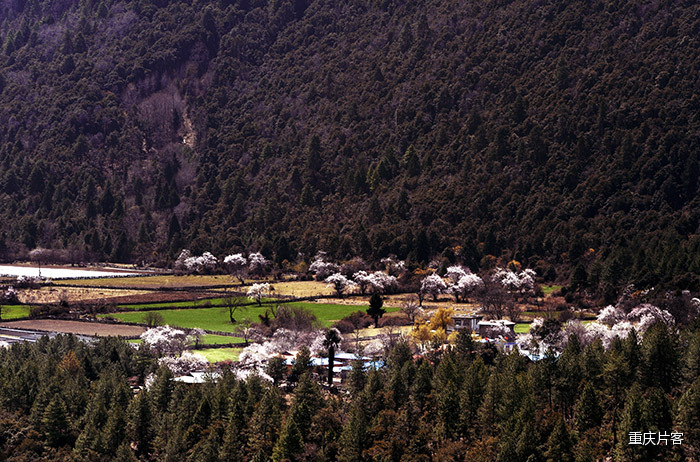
(448, 401)
(411, 161)
(422, 384)
(588, 413)
(688, 419)
(139, 423)
(660, 358)
(353, 439)
(632, 421)
(306, 402)
(55, 423)
(114, 429)
(464, 346)
(233, 448)
(125, 454)
(264, 426)
(276, 369)
(559, 445)
(473, 389)
(290, 443)
(162, 390)
(301, 364)
(569, 375)
(579, 278)
(375, 309)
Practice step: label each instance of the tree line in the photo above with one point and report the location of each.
(62, 399)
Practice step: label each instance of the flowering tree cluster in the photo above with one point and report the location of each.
(322, 268)
(283, 340)
(393, 266)
(376, 282)
(612, 322)
(185, 363)
(195, 264)
(462, 282)
(340, 283)
(165, 340)
(523, 282)
(237, 264)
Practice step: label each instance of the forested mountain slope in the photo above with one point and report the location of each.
(553, 132)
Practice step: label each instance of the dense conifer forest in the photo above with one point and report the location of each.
(62, 399)
(557, 133)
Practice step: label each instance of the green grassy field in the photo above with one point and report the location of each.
(10, 312)
(214, 355)
(211, 339)
(185, 304)
(208, 339)
(217, 318)
(522, 328)
(547, 290)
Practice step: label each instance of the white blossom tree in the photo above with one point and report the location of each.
(257, 264)
(613, 322)
(433, 285)
(207, 261)
(362, 280)
(455, 273)
(610, 315)
(9, 295)
(197, 264)
(466, 285)
(180, 261)
(236, 264)
(376, 282)
(527, 280)
(393, 266)
(645, 315)
(258, 291)
(522, 282)
(382, 283)
(282, 340)
(322, 268)
(340, 283)
(185, 363)
(165, 340)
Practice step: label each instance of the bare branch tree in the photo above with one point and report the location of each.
(234, 303)
(245, 330)
(495, 299)
(411, 309)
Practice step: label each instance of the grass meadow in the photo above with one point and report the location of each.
(214, 355)
(217, 319)
(10, 312)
